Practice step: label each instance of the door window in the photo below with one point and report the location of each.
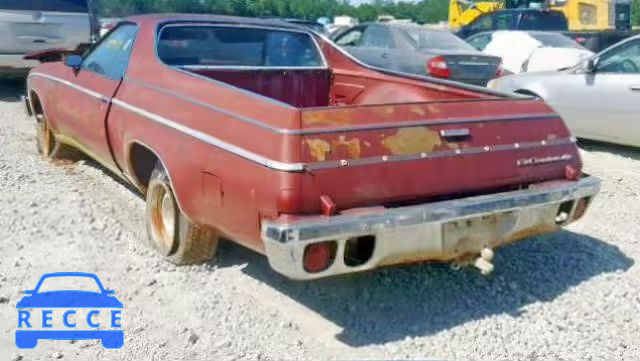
(111, 56)
(351, 37)
(377, 37)
(621, 59)
(483, 23)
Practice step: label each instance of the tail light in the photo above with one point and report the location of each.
(438, 67)
(319, 256)
(581, 208)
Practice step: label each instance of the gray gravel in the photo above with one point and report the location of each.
(571, 295)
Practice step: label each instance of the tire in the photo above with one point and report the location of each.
(48, 146)
(169, 232)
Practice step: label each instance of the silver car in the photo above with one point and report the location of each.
(417, 50)
(598, 98)
(28, 26)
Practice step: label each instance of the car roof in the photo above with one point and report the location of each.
(406, 26)
(159, 19)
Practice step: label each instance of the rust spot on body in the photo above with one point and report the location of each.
(342, 117)
(318, 149)
(412, 141)
(353, 146)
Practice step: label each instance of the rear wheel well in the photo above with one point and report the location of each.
(142, 160)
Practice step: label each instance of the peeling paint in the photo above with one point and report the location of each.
(342, 117)
(353, 146)
(434, 109)
(318, 149)
(552, 136)
(417, 110)
(412, 141)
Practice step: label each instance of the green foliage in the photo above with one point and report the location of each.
(635, 12)
(424, 11)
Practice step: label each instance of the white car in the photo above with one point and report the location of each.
(28, 26)
(525, 51)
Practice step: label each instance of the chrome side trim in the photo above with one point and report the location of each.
(206, 138)
(375, 126)
(439, 154)
(79, 88)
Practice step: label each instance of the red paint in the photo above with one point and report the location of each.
(219, 189)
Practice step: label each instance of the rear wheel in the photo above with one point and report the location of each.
(170, 233)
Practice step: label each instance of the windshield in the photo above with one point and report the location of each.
(69, 283)
(65, 6)
(554, 40)
(434, 39)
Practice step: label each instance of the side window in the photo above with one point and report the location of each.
(480, 41)
(111, 56)
(483, 23)
(503, 21)
(622, 59)
(377, 37)
(351, 37)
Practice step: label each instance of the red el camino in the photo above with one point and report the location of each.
(266, 133)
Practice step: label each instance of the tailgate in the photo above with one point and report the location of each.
(27, 31)
(401, 154)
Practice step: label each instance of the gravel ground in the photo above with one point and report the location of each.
(571, 295)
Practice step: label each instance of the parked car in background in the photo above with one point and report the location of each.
(106, 24)
(28, 26)
(418, 50)
(516, 19)
(354, 168)
(530, 50)
(599, 98)
(597, 41)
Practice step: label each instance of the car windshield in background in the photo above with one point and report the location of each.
(63, 6)
(553, 40)
(435, 39)
(543, 20)
(218, 46)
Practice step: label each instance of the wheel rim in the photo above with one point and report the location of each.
(163, 218)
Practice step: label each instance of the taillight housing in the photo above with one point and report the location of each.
(437, 67)
(319, 256)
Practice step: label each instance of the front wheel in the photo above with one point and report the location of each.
(170, 233)
(48, 146)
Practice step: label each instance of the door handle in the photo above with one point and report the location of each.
(635, 88)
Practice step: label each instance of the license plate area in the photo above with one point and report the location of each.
(471, 234)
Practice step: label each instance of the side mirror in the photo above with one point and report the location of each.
(592, 65)
(73, 61)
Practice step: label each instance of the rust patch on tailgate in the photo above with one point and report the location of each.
(319, 149)
(412, 141)
(353, 146)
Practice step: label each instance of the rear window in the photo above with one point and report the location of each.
(219, 46)
(65, 6)
(433, 39)
(543, 20)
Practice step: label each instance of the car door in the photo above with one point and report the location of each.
(84, 106)
(604, 103)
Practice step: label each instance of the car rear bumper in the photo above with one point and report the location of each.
(10, 63)
(443, 231)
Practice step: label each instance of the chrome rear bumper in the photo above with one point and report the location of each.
(435, 231)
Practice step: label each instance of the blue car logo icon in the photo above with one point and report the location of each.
(70, 301)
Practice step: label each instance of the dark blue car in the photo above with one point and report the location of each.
(70, 299)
